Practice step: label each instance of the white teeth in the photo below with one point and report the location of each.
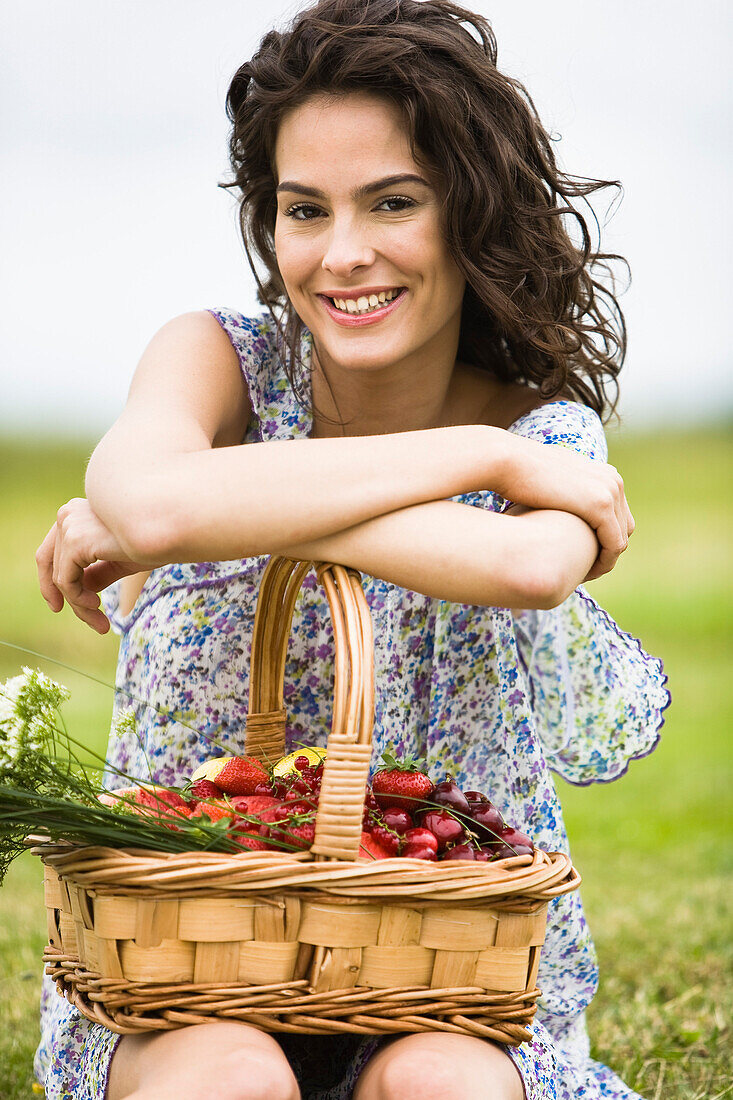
(365, 304)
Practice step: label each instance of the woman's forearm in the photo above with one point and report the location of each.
(456, 552)
(235, 502)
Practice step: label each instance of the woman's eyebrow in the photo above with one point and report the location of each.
(360, 192)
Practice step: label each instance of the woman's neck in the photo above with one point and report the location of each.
(347, 403)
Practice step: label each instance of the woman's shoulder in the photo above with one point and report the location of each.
(564, 423)
(520, 409)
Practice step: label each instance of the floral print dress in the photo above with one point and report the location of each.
(501, 699)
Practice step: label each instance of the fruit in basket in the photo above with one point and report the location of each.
(519, 843)
(388, 839)
(400, 783)
(233, 774)
(446, 828)
(460, 851)
(149, 799)
(293, 761)
(419, 851)
(370, 848)
(421, 837)
(204, 788)
(489, 822)
(213, 810)
(450, 795)
(398, 820)
(475, 797)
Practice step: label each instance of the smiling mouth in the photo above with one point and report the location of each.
(366, 304)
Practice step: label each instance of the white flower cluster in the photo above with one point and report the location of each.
(124, 723)
(27, 714)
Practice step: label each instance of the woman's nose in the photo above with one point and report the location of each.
(347, 249)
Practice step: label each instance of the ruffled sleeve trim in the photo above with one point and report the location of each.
(598, 698)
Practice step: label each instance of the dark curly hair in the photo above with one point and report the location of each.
(536, 309)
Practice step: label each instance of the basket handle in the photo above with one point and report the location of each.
(349, 747)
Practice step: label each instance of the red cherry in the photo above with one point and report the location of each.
(264, 788)
(300, 763)
(422, 836)
(514, 839)
(503, 851)
(446, 828)
(448, 793)
(419, 851)
(389, 840)
(475, 796)
(460, 851)
(482, 856)
(489, 820)
(397, 819)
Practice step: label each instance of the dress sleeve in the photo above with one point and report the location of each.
(253, 340)
(597, 697)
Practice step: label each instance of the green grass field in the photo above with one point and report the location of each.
(653, 848)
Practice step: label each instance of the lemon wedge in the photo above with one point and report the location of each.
(286, 764)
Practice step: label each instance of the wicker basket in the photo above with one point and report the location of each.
(309, 942)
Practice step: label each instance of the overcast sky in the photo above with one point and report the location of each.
(113, 137)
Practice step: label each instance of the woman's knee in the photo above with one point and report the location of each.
(239, 1061)
(440, 1067)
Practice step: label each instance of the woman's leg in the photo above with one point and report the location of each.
(439, 1066)
(199, 1062)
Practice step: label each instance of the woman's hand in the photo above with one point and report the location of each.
(77, 559)
(542, 475)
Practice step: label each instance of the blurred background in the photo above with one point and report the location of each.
(113, 138)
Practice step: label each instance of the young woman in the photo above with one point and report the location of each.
(428, 385)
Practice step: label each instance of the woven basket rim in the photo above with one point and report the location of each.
(541, 876)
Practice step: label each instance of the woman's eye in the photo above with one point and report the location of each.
(396, 203)
(302, 212)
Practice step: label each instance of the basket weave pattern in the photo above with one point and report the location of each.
(308, 942)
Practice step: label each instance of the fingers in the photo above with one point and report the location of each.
(73, 550)
(44, 565)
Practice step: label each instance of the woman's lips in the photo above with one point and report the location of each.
(358, 320)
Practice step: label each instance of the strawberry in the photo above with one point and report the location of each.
(300, 835)
(370, 848)
(204, 788)
(251, 842)
(233, 774)
(400, 783)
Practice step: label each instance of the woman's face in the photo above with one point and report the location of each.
(358, 235)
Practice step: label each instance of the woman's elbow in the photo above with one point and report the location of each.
(138, 518)
(540, 587)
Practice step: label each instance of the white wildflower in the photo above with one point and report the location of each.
(124, 723)
(27, 715)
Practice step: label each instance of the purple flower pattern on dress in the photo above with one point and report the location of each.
(500, 699)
